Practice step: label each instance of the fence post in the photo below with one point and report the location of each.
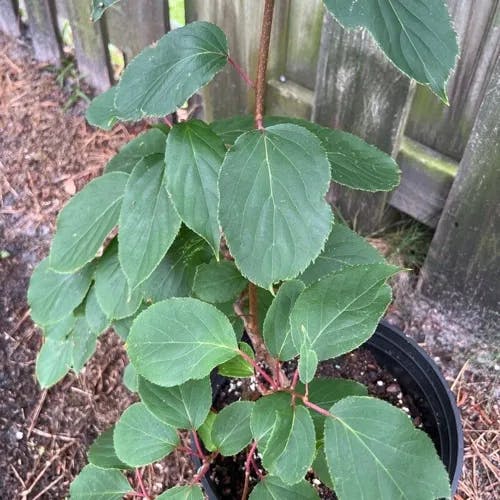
(359, 91)
(90, 47)
(43, 29)
(133, 25)
(9, 21)
(462, 269)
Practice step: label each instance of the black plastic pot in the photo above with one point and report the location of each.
(420, 378)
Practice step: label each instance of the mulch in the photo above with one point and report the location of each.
(46, 155)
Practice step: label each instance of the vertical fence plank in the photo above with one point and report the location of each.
(43, 29)
(133, 25)
(462, 268)
(447, 128)
(9, 21)
(90, 46)
(359, 91)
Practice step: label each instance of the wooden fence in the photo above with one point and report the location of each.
(449, 156)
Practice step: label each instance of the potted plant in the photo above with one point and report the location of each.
(224, 226)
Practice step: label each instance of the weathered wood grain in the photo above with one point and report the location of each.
(426, 180)
(359, 91)
(133, 25)
(9, 21)
(90, 45)
(462, 269)
(43, 29)
(447, 129)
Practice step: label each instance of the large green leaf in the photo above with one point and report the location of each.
(140, 438)
(148, 221)
(180, 339)
(238, 366)
(388, 457)
(83, 341)
(130, 378)
(273, 488)
(183, 406)
(193, 159)
(61, 329)
(276, 330)
(174, 276)
(191, 492)
(99, 6)
(53, 361)
(416, 36)
(342, 310)
(272, 185)
(308, 363)
(343, 248)
(102, 452)
(96, 318)
(85, 221)
(218, 282)
(94, 483)
(101, 111)
(53, 296)
(151, 142)
(291, 446)
(320, 467)
(231, 429)
(161, 78)
(205, 431)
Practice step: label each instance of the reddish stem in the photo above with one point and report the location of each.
(198, 444)
(295, 379)
(138, 476)
(258, 369)
(314, 407)
(240, 71)
(168, 121)
(188, 450)
(248, 462)
(206, 465)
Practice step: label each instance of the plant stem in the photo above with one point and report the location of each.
(197, 443)
(259, 370)
(138, 476)
(240, 71)
(260, 84)
(248, 462)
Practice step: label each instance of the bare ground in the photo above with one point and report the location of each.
(45, 156)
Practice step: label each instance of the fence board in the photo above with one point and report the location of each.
(90, 46)
(43, 30)
(447, 129)
(359, 91)
(133, 25)
(9, 21)
(462, 268)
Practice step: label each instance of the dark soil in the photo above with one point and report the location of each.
(227, 473)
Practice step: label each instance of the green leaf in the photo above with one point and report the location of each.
(388, 457)
(53, 361)
(61, 329)
(193, 159)
(122, 326)
(148, 221)
(151, 142)
(102, 452)
(291, 447)
(308, 363)
(96, 318)
(161, 78)
(418, 38)
(218, 282)
(280, 176)
(174, 276)
(52, 296)
(101, 112)
(343, 248)
(188, 336)
(273, 488)
(99, 6)
(140, 438)
(130, 378)
(276, 329)
(264, 300)
(113, 293)
(184, 406)
(356, 164)
(324, 392)
(85, 221)
(191, 492)
(265, 414)
(83, 341)
(342, 310)
(237, 323)
(231, 430)
(99, 484)
(320, 468)
(238, 366)
(205, 431)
